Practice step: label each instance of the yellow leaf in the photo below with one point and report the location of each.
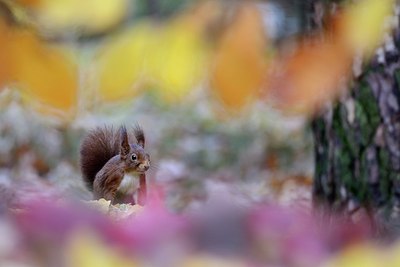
(211, 261)
(361, 255)
(177, 60)
(89, 16)
(364, 24)
(120, 65)
(87, 250)
(240, 63)
(395, 255)
(171, 57)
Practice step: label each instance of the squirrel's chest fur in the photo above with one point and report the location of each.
(129, 183)
(113, 178)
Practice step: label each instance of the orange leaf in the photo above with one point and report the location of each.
(240, 63)
(29, 3)
(310, 77)
(43, 73)
(5, 61)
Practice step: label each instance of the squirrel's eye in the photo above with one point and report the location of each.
(133, 157)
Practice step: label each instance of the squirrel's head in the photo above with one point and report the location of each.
(133, 154)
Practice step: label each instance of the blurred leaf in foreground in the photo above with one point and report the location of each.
(310, 77)
(367, 255)
(120, 64)
(5, 60)
(88, 16)
(177, 60)
(46, 76)
(170, 57)
(209, 261)
(29, 3)
(362, 26)
(87, 250)
(240, 62)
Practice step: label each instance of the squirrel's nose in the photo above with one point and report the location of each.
(145, 166)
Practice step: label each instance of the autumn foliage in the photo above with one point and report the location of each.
(63, 59)
(238, 63)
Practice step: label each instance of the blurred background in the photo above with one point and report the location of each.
(174, 67)
(227, 92)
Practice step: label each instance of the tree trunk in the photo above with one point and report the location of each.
(357, 141)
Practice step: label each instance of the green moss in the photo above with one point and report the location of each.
(359, 188)
(370, 106)
(365, 131)
(351, 135)
(397, 76)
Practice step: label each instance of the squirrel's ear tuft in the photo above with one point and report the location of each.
(124, 145)
(139, 135)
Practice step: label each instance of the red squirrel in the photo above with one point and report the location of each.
(106, 155)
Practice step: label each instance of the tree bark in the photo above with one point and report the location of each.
(357, 141)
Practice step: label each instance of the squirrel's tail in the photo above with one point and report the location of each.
(97, 147)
